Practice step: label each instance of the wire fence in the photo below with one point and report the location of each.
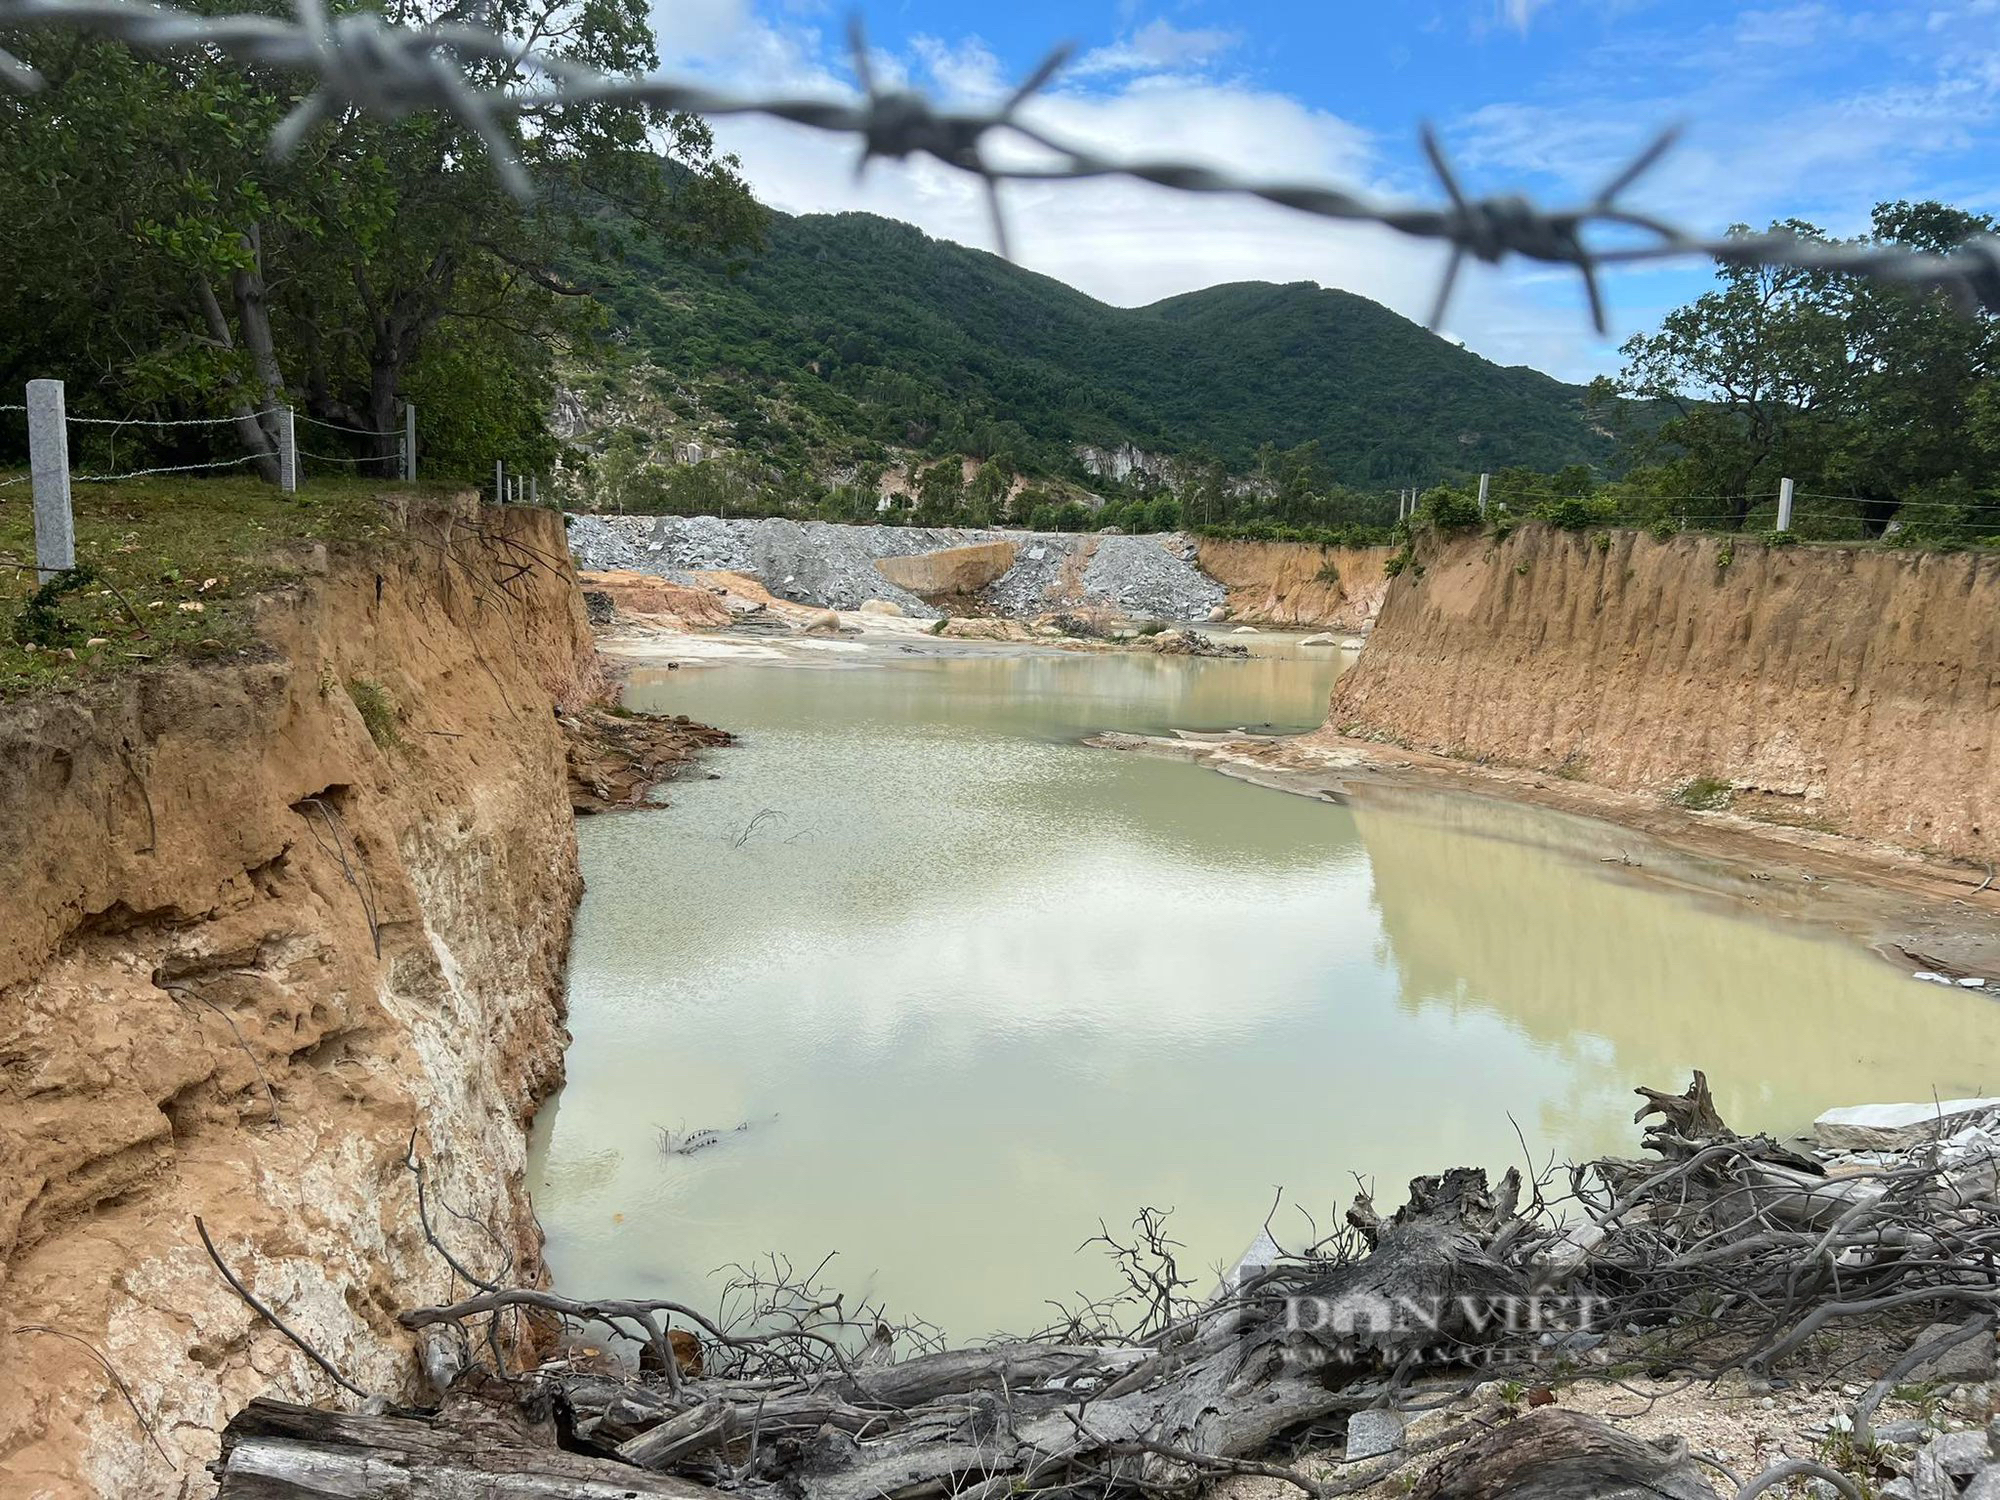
(489, 80)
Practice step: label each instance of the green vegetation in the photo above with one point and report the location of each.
(851, 336)
(190, 272)
(1703, 794)
(378, 709)
(167, 569)
(1871, 390)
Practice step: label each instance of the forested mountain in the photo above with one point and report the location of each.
(850, 335)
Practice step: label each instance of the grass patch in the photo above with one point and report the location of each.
(1703, 794)
(171, 566)
(378, 709)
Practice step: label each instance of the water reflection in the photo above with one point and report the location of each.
(973, 986)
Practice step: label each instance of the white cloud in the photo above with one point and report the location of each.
(1159, 46)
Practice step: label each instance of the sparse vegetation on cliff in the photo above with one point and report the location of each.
(167, 569)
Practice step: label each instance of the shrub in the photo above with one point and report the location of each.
(1448, 512)
(1602, 541)
(378, 710)
(1725, 555)
(1574, 513)
(1396, 562)
(40, 623)
(1662, 529)
(1781, 539)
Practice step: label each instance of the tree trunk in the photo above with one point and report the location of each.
(249, 429)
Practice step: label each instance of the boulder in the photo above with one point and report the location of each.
(1897, 1127)
(881, 607)
(1244, 630)
(1372, 1433)
(951, 570)
(1217, 615)
(826, 622)
(1971, 1360)
(1321, 640)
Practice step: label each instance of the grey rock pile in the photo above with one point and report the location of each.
(833, 567)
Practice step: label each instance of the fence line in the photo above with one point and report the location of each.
(50, 474)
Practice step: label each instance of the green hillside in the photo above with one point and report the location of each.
(851, 335)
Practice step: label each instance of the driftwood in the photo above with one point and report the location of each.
(275, 1451)
(1553, 1454)
(800, 1395)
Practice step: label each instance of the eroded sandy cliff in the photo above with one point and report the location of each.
(1296, 585)
(225, 892)
(1838, 687)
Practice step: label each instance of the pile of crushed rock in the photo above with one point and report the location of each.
(833, 566)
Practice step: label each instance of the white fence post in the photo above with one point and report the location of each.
(534, 490)
(499, 481)
(48, 463)
(1485, 480)
(1784, 505)
(409, 441)
(288, 451)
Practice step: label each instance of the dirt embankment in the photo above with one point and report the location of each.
(1852, 691)
(263, 923)
(1295, 584)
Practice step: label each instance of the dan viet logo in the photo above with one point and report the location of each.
(1455, 1329)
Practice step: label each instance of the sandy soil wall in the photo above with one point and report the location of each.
(1293, 584)
(1846, 688)
(222, 893)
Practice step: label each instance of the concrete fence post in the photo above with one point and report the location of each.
(288, 451)
(534, 490)
(48, 464)
(1485, 482)
(499, 481)
(1784, 505)
(409, 441)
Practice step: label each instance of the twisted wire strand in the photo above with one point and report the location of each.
(361, 61)
(350, 431)
(221, 463)
(175, 422)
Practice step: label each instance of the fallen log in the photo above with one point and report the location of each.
(272, 1450)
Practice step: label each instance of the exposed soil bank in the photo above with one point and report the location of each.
(1840, 689)
(335, 883)
(1295, 584)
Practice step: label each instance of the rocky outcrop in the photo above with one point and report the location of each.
(1843, 688)
(267, 925)
(1296, 584)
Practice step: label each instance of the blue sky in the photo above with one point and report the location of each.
(1813, 109)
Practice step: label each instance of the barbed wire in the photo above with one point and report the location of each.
(221, 463)
(172, 422)
(360, 60)
(350, 431)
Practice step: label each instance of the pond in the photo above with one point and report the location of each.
(969, 988)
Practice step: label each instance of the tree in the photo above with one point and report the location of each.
(1751, 372)
(181, 269)
(1869, 387)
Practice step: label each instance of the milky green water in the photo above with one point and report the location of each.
(974, 986)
